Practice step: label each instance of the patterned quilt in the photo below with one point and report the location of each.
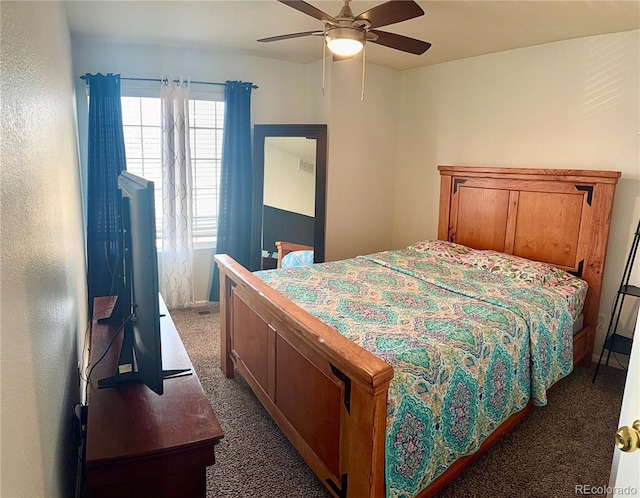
(470, 342)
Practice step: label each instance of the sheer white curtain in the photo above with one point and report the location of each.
(176, 281)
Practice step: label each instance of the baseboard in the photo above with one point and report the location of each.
(209, 304)
(201, 304)
(619, 361)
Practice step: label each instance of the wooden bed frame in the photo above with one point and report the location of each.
(328, 395)
(285, 248)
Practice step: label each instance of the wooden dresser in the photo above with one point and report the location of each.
(142, 444)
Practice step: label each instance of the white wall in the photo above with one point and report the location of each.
(43, 307)
(572, 104)
(363, 140)
(285, 186)
(280, 98)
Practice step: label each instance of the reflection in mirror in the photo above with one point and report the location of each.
(288, 211)
(289, 192)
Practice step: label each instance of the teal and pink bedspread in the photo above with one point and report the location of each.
(471, 336)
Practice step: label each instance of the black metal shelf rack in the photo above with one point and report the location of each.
(614, 342)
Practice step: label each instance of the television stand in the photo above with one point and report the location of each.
(139, 443)
(134, 378)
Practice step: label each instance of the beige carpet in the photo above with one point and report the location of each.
(569, 442)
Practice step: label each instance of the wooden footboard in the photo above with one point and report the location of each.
(327, 394)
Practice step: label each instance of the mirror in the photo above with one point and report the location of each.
(288, 190)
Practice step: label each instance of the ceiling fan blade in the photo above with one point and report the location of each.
(290, 35)
(400, 42)
(391, 12)
(309, 9)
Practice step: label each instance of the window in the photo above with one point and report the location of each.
(142, 128)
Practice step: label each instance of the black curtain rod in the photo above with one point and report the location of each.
(158, 80)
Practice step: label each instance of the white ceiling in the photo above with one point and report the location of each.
(457, 29)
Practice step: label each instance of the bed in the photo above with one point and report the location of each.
(293, 254)
(334, 398)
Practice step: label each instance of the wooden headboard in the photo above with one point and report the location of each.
(557, 216)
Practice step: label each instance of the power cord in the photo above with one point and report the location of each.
(116, 333)
(79, 424)
(79, 416)
(86, 350)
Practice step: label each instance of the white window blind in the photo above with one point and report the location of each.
(142, 128)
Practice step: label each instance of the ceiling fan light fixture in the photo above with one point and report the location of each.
(345, 41)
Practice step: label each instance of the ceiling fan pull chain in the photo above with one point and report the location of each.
(324, 62)
(364, 57)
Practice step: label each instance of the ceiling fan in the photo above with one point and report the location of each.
(346, 34)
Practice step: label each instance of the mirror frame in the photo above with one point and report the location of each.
(310, 131)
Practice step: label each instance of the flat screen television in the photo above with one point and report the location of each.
(138, 302)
